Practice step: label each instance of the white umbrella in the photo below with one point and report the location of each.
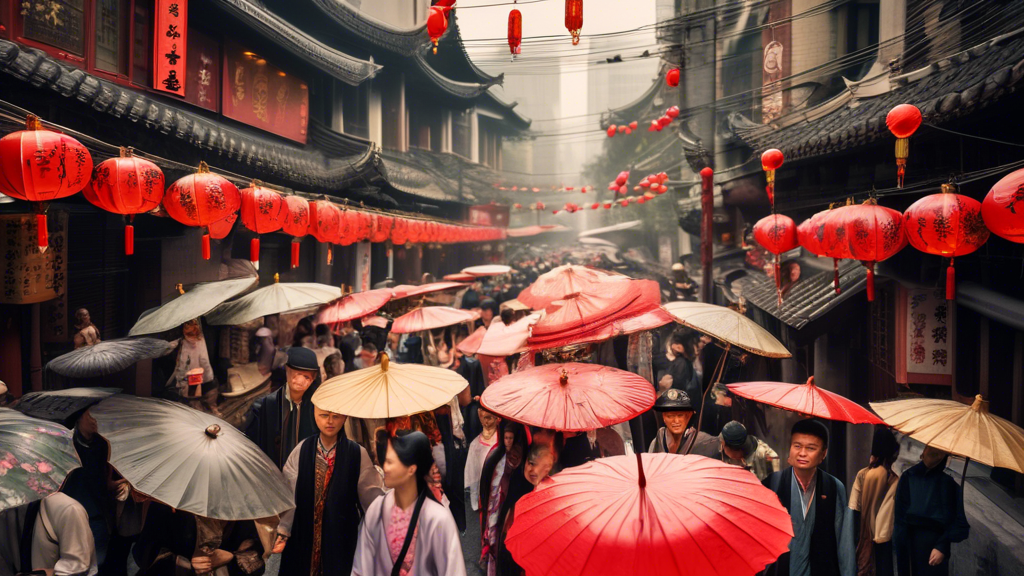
(191, 460)
(108, 357)
(59, 405)
(277, 298)
(487, 270)
(190, 305)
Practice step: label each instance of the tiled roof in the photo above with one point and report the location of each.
(649, 102)
(945, 90)
(439, 175)
(809, 299)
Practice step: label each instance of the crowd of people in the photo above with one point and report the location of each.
(395, 496)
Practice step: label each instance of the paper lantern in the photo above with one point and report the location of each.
(1003, 209)
(201, 199)
(947, 225)
(611, 130)
(903, 121)
(771, 160)
(574, 19)
(221, 228)
(811, 232)
(262, 211)
(777, 234)
(874, 233)
(126, 185)
(382, 228)
(437, 23)
(400, 232)
(672, 77)
(324, 220)
(39, 166)
(672, 112)
(296, 224)
(833, 241)
(515, 32)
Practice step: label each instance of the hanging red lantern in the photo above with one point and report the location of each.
(811, 232)
(382, 232)
(654, 126)
(611, 130)
(296, 224)
(874, 233)
(607, 205)
(903, 121)
(664, 121)
(262, 211)
(622, 178)
(948, 225)
(515, 32)
(771, 160)
(574, 19)
(672, 112)
(672, 77)
(201, 199)
(221, 228)
(324, 220)
(400, 232)
(437, 23)
(595, 205)
(128, 186)
(777, 234)
(633, 125)
(1001, 209)
(39, 166)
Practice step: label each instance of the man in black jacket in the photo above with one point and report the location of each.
(280, 420)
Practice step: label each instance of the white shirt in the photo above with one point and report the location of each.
(61, 538)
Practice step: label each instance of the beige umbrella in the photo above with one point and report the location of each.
(278, 298)
(389, 390)
(190, 305)
(729, 326)
(950, 426)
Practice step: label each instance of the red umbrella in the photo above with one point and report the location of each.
(561, 282)
(501, 340)
(632, 515)
(569, 397)
(408, 291)
(430, 317)
(471, 343)
(806, 399)
(352, 306)
(580, 309)
(460, 277)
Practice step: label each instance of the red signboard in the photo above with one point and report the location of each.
(261, 95)
(170, 37)
(489, 215)
(203, 73)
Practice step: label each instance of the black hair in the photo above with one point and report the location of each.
(811, 427)
(491, 464)
(380, 437)
(507, 316)
(370, 346)
(414, 448)
(490, 304)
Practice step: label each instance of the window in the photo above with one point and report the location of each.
(142, 47)
(355, 102)
(111, 25)
(461, 130)
(57, 23)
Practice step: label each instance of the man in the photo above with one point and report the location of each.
(280, 420)
(746, 451)
(92, 485)
(50, 535)
(88, 334)
(871, 500)
(822, 544)
(335, 483)
(488, 310)
(929, 516)
(676, 436)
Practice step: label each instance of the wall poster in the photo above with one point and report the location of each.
(925, 332)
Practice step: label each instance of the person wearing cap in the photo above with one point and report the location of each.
(872, 500)
(280, 420)
(822, 544)
(677, 436)
(746, 451)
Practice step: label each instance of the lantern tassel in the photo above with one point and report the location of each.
(778, 280)
(206, 245)
(129, 239)
(42, 234)
(835, 281)
(295, 254)
(950, 281)
(330, 255)
(254, 252)
(871, 281)
(902, 152)
(770, 189)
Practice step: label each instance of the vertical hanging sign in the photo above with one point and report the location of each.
(170, 36)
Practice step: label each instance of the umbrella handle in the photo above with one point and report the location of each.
(963, 475)
(642, 481)
(719, 369)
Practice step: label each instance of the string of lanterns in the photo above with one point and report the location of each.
(39, 166)
(671, 113)
(580, 189)
(654, 185)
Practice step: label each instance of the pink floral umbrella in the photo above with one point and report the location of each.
(35, 457)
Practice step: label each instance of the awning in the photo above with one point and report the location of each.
(809, 299)
(991, 304)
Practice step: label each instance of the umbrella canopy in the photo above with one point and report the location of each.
(35, 457)
(352, 306)
(968, 431)
(569, 397)
(487, 270)
(429, 318)
(389, 390)
(408, 291)
(59, 405)
(108, 357)
(613, 517)
(806, 399)
(729, 326)
(459, 277)
(579, 310)
(561, 282)
(471, 343)
(191, 460)
(502, 340)
(277, 298)
(190, 305)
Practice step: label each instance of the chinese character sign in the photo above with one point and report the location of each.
(927, 337)
(31, 276)
(261, 95)
(170, 36)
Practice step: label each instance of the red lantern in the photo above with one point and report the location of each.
(400, 232)
(833, 240)
(672, 112)
(437, 23)
(382, 231)
(515, 32)
(664, 121)
(947, 225)
(296, 224)
(324, 220)
(595, 205)
(672, 77)
(873, 233)
(771, 160)
(38, 166)
(201, 199)
(632, 125)
(574, 19)
(611, 130)
(1000, 209)
(263, 211)
(654, 126)
(622, 178)
(777, 234)
(811, 232)
(903, 121)
(607, 205)
(128, 186)
(221, 228)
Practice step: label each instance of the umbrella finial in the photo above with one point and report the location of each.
(180, 288)
(213, 430)
(563, 379)
(810, 381)
(277, 277)
(384, 362)
(980, 404)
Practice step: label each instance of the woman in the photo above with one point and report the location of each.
(406, 531)
(495, 478)
(539, 462)
(192, 354)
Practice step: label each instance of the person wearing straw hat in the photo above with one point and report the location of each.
(677, 436)
(747, 452)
